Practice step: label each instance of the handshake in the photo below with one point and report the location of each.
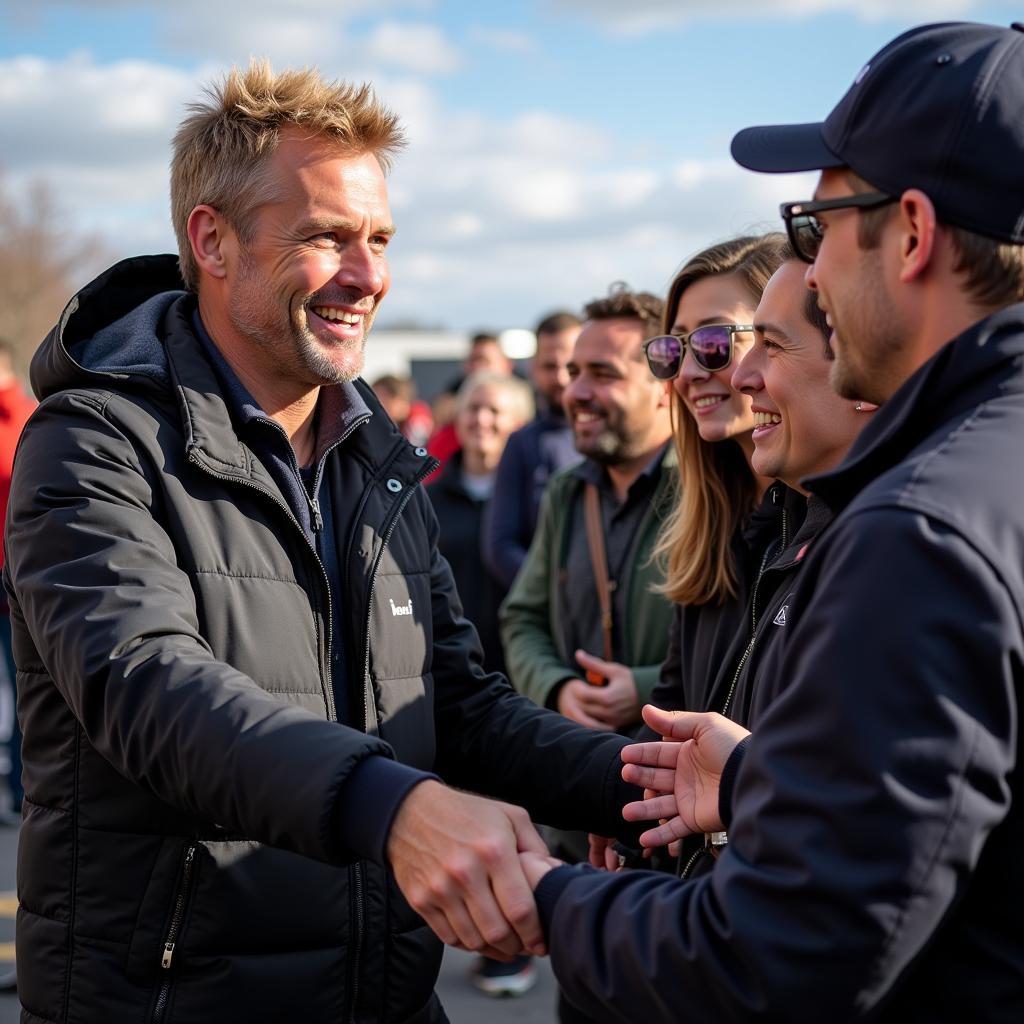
(469, 865)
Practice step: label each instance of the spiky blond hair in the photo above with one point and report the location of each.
(222, 147)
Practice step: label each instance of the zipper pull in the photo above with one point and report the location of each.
(165, 960)
(318, 522)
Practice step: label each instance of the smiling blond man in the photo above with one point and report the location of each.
(242, 666)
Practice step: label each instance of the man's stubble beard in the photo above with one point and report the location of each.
(868, 343)
(256, 316)
(606, 448)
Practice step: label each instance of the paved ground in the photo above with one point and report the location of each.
(463, 1003)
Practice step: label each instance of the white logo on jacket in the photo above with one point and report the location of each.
(401, 609)
(783, 615)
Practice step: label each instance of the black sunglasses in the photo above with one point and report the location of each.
(804, 229)
(710, 345)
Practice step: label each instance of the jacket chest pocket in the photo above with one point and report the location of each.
(401, 635)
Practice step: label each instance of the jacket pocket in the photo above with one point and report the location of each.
(152, 909)
(172, 931)
(401, 623)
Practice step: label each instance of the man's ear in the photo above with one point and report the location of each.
(916, 222)
(664, 393)
(209, 236)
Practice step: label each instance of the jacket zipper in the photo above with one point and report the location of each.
(357, 949)
(746, 654)
(694, 857)
(173, 929)
(357, 871)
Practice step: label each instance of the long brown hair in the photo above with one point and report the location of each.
(717, 487)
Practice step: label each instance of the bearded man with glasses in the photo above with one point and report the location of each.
(875, 814)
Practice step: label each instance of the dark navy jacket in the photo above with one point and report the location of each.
(876, 829)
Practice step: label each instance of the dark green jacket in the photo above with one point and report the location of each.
(536, 648)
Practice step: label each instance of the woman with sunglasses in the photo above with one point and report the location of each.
(726, 521)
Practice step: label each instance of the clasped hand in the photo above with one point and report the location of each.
(468, 866)
(606, 707)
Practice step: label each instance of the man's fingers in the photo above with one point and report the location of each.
(518, 907)
(662, 835)
(663, 780)
(593, 662)
(512, 889)
(658, 754)
(455, 857)
(677, 725)
(527, 837)
(651, 810)
(597, 847)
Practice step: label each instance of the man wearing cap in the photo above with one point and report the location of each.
(874, 817)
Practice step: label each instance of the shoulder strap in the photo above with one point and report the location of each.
(599, 561)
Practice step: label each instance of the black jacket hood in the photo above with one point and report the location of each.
(110, 328)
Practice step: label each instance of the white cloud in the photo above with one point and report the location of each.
(505, 40)
(412, 47)
(100, 136)
(297, 32)
(498, 219)
(641, 16)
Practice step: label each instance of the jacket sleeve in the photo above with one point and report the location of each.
(535, 666)
(505, 537)
(492, 740)
(862, 806)
(113, 620)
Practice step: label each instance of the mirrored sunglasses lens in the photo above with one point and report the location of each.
(806, 236)
(664, 356)
(711, 347)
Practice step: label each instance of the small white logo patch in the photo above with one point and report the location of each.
(401, 609)
(783, 613)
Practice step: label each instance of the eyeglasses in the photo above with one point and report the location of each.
(805, 230)
(710, 346)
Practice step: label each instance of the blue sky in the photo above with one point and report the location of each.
(554, 146)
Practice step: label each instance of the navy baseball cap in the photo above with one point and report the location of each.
(941, 109)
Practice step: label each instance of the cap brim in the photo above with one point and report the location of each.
(782, 148)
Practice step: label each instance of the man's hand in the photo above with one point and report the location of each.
(573, 701)
(616, 703)
(684, 771)
(456, 859)
(535, 866)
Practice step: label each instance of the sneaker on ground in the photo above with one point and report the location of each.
(495, 978)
